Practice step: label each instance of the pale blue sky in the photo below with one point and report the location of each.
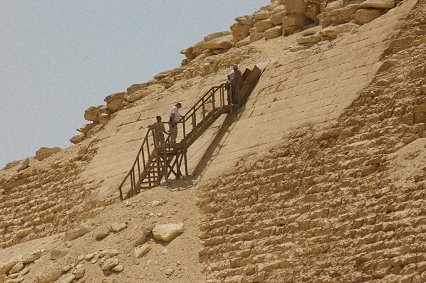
(58, 57)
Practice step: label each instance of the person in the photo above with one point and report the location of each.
(158, 132)
(235, 78)
(174, 118)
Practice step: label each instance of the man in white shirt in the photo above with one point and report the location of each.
(174, 118)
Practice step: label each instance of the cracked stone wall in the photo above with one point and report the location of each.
(344, 204)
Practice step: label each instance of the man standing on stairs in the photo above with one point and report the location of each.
(158, 132)
(174, 119)
(235, 78)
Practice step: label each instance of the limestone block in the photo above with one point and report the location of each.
(84, 129)
(5, 267)
(261, 15)
(101, 235)
(17, 267)
(245, 20)
(118, 268)
(216, 35)
(240, 31)
(312, 12)
(79, 271)
(45, 152)
(378, 4)
(314, 38)
(255, 36)
(77, 232)
(311, 31)
(58, 253)
(223, 42)
(333, 31)
(167, 232)
(295, 6)
(118, 226)
(78, 138)
(135, 96)
(24, 165)
(136, 87)
(274, 32)
(277, 19)
(49, 276)
(244, 42)
(93, 113)
(115, 101)
(363, 16)
(293, 22)
(263, 25)
(23, 233)
(109, 264)
(140, 251)
(188, 52)
(103, 118)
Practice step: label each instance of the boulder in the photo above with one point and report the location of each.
(45, 152)
(17, 267)
(56, 254)
(49, 276)
(314, 38)
(338, 16)
(135, 96)
(277, 19)
(79, 271)
(78, 138)
(216, 35)
(77, 232)
(136, 87)
(274, 32)
(295, 6)
(24, 165)
(115, 101)
(188, 52)
(312, 12)
(167, 232)
(101, 235)
(263, 25)
(240, 31)
(23, 233)
(261, 15)
(333, 31)
(86, 128)
(363, 16)
(293, 22)
(92, 113)
(109, 264)
(118, 268)
(244, 42)
(245, 20)
(223, 42)
(7, 266)
(140, 251)
(118, 226)
(255, 36)
(378, 4)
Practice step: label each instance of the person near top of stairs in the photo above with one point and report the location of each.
(235, 78)
(158, 132)
(174, 119)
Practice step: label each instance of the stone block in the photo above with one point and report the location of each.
(274, 32)
(45, 152)
(363, 16)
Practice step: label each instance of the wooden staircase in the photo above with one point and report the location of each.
(152, 164)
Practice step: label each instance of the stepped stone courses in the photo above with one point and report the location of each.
(319, 178)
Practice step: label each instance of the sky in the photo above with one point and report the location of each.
(59, 57)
